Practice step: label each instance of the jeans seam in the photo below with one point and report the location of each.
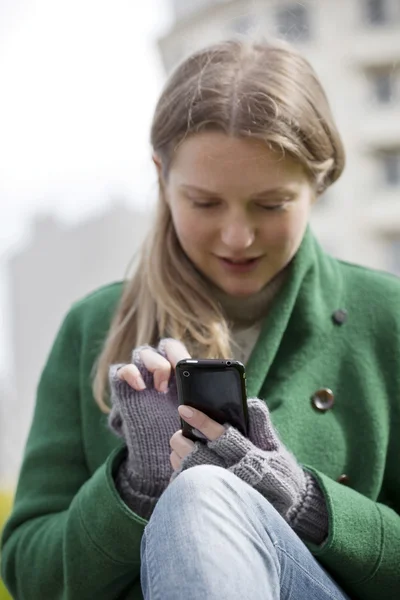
(300, 566)
(149, 561)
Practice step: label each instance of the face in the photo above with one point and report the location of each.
(239, 209)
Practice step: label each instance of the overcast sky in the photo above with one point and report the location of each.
(78, 84)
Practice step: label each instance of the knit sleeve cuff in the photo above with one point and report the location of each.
(138, 496)
(139, 503)
(311, 520)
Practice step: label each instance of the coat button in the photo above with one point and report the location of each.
(323, 399)
(344, 479)
(340, 316)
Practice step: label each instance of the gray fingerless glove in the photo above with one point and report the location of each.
(265, 464)
(146, 420)
(200, 455)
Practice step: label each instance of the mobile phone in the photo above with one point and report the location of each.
(217, 388)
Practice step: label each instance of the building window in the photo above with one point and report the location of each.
(376, 12)
(385, 84)
(390, 166)
(293, 22)
(383, 87)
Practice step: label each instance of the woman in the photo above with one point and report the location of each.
(244, 143)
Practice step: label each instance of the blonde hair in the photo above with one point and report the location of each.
(261, 90)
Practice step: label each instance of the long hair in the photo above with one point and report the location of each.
(262, 90)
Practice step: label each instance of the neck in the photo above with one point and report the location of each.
(244, 311)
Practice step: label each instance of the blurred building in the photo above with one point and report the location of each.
(354, 45)
(10, 444)
(58, 266)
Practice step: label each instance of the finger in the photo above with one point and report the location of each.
(261, 430)
(210, 428)
(174, 350)
(181, 445)
(159, 366)
(175, 460)
(132, 376)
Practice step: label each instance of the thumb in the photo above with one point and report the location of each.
(261, 430)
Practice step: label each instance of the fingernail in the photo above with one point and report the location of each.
(141, 384)
(186, 411)
(164, 387)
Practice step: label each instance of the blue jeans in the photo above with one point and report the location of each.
(213, 536)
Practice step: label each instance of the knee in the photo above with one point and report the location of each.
(200, 480)
(205, 488)
(193, 486)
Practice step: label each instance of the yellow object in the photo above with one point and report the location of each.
(6, 499)
(4, 595)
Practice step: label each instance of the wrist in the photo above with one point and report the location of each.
(139, 493)
(310, 518)
(231, 446)
(137, 502)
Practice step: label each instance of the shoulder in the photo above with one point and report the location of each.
(103, 299)
(373, 295)
(370, 285)
(93, 312)
(84, 327)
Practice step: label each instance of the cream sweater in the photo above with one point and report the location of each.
(245, 315)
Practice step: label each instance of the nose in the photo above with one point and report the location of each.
(237, 233)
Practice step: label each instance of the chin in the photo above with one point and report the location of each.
(243, 291)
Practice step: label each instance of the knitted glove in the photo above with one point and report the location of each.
(265, 464)
(200, 455)
(146, 420)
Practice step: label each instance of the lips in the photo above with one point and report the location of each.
(239, 261)
(239, 265)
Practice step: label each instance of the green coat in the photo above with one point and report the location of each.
(70, 536)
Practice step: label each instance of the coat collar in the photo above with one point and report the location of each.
(300, 317)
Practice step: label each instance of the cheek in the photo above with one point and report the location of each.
(284, 234)
(192, 232)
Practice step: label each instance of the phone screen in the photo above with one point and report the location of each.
(218, 391)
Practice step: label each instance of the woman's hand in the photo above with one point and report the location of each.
(159, 363)
(182, 446)
(261, 460)
(145, 418)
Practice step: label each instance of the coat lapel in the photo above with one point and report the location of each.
(301, 315)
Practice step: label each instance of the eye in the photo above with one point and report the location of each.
(272, 207)
(205, 204)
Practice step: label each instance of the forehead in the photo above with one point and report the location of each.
(221, 161)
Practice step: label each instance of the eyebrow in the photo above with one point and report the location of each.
(268, 192)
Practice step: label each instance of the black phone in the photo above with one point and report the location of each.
(217, 388)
